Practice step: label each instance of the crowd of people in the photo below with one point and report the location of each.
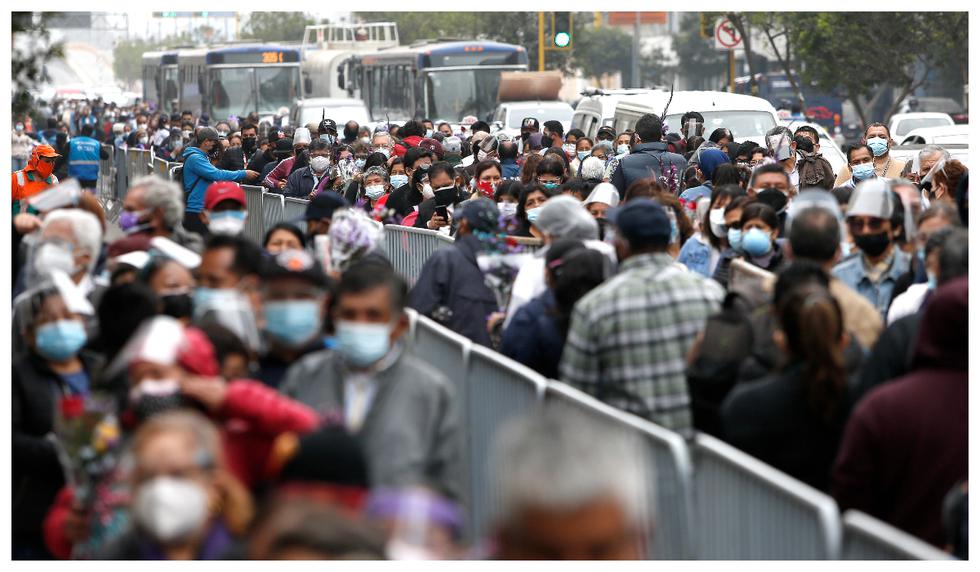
(181, 391)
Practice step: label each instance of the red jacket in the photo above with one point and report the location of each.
(406, 143)
(252, 417)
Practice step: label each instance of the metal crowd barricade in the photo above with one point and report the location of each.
(867, 538)
(161, 167)
(747, 510)
(667, 465)
(294, 209)
(497, 388)
(408, 248)
(273, 205)
(255, 221)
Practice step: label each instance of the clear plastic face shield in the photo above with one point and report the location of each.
(693, 128)
(780, 146)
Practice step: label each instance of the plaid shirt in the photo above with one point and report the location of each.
(629, 338)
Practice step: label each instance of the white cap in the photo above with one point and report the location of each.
(137, 259)
(603, 193)
(302, 136)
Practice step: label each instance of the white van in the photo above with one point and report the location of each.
(748, 118)
(597, 107)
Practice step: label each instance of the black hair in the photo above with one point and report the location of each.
(577, 186)
(815, 235)
(375, 160)
(842, 194)
(551, 166)
(721, 133)
(225, 342)
(745, 148)
(349, 132)
(527, 190)
(807, 129)
(288, 227)
(691, 115)
(318, 145)
(88, 130)
(363, 276)
(559, 153)
(555, 127)
(649, 128)
(774, 168)
(154, 266)
(115, 327)
(413, 154)
(954, 256)
(412, 127)
(507, 150)
(480, 126)
(441, 167)
(726, 174)
(852, 148)
(509, 187)
(391, 165)
(733, 192)
(574, 271)
(761, 211)
(578, 133)
(248, 255)
(689, 178)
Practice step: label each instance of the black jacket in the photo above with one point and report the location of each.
(452, 279)
(37, 474)
(299, 185)
(428, 208)
(403, 199)
(644, 161)
(891, 355)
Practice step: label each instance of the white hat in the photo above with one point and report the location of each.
(603, 193)
(302, 136)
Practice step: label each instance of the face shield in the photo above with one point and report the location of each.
(779, 146)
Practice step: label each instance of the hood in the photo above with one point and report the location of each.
(943, 338)
(188, 151)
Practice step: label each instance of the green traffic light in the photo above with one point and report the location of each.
(562, 39)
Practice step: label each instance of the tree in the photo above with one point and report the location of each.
(776, 25)
(276, 26)
(697, 59)
(31, 50)
(602, 50)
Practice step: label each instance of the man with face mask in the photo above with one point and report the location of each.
(383, 394)
(874, 270)
(278, 177)
(860, 164)
(154, 207)
(227, 287)
(198, 173)
(879, 141)
(306, 182)
(327, 131)
(84, 154)
(782, 148)
(37, 176)
(224, 208)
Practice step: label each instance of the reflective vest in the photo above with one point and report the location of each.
(25, 185)
(83, 158)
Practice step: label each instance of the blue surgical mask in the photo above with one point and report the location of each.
(398, 181)
(583, 154)
(429, 133)
(209, 298)
(863, 171)
(932, 280)
(879, 146)
(622, 149)
(292, 322)
(58, 341)
(330, 139)
(550, 186)
(735, 238)
(359, 163)
(532, 215)
(756, 243)
(362, 344)
(228, 223)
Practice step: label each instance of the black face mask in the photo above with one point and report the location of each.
(149, 405)
(215, 152)
(248, 144)
(177, 305)
(803, 144)
(873, 244)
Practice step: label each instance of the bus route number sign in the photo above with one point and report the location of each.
(272, 57)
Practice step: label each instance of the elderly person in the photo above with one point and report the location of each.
(927, 158)
(561, 217)
(377, 189)
(308, 181)
(381, 143)
(154, 207)
(569, 489)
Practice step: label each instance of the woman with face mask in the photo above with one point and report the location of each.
(53, 367)
(376, 190)
(760, 227)
(354, 190)
(486, 178)
(529, 207)
(173, 284)
(702, 253)
(582, 149)
(506, 196)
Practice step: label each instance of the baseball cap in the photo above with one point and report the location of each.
(223, 191)
(323, 205)
(871, 198)
(482, 214)
(294, 263)
(606, 130)
(45, 151)
(432, 146)
(328, 125)
(530, 123)
(284, 145)
(642, 222)
(207, 134)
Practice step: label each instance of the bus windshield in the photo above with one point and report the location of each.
(232, 92)
(743, 124)
(170, 83)
(455, 94)
(278, 87)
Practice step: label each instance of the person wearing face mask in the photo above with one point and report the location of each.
(473, 148)
(879, 142)
(445, 193)
(37, 176)
(405, 199)
(648, 158)
(506, 196)
(376, 189)
(353, 190)
(54, 366)
(198, 173)
(278, 177)
(860, 165)
(307, 182)
(580, 151)
(20, 147)
(397, 174)
(327, 131)
(381, 142)
(154, 207)
(173, 285)
(84, 154)
(381, 391)
(878, 264)
(550, 173)
(914, 297)
(224, 209)
(759, 230)
(486, 178)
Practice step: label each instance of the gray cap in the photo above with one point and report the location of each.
(565, 217)
(452, 145)
(871, 198)
(207, 134)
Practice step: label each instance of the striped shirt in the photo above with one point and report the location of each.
(629, 338)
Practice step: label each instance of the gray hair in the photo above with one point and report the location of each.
(384, 134)
(560, 459)
(377, 170)
(164, 195)
(929, 150)
(86, 228)
(564, 217)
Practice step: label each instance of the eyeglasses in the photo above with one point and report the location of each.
(857, 224)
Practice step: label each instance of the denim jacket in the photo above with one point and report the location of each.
(696, 255)
(851, 271)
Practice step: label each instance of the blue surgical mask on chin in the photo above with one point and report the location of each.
(362, 344)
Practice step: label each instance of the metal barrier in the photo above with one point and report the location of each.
(138, 163)
(161, 167)
(273, 206)
(668, 468)
(747, 510)
(255, 221)
(408, 248)
(497, 389)
(294, 210)
(867, 538)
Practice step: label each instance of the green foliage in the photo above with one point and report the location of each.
(696, 56)
(32, 49)
(599, 51)
(276, 26)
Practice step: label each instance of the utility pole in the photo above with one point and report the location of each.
(635, 68)
(541, 41)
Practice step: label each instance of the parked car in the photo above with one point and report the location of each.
(340, 110)
(936, 105)
(507, 117)
(944, 135)
(598, 106)
(902, 123)
(748, 117)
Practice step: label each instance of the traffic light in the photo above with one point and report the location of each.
(561, 28)
(707, 26)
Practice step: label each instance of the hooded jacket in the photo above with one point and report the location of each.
(198, 174)
(646, 160)
(905, 446)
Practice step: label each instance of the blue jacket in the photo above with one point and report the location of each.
(696, 255)
(643, 162)
(533, 337)
(510, 169)
(851, 272)
(83, 158)
(451, 279)
(199, 173)
(695, 193)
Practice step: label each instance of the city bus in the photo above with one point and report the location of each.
(160, 80)
(236, 80)
(439, 79)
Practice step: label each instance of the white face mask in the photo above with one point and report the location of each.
(228, 223)
(507, 209)
(717, 219)
(374, 192)
(427, 192)
(481, 155)
(170, 509)
(51, 257)
(319, 164)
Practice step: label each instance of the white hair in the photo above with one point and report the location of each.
(929, 150)
(86, 228)
(560, 459)
(381, 134)
(164, 195)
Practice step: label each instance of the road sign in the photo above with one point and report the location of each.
(726, 35)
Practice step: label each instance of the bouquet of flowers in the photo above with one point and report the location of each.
(352, 235)
(500, 262)
(88, 437)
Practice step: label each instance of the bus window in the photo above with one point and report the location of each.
(231, 92)
(278, 87)
(457, 93)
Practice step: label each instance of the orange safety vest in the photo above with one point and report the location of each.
(27, 183)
